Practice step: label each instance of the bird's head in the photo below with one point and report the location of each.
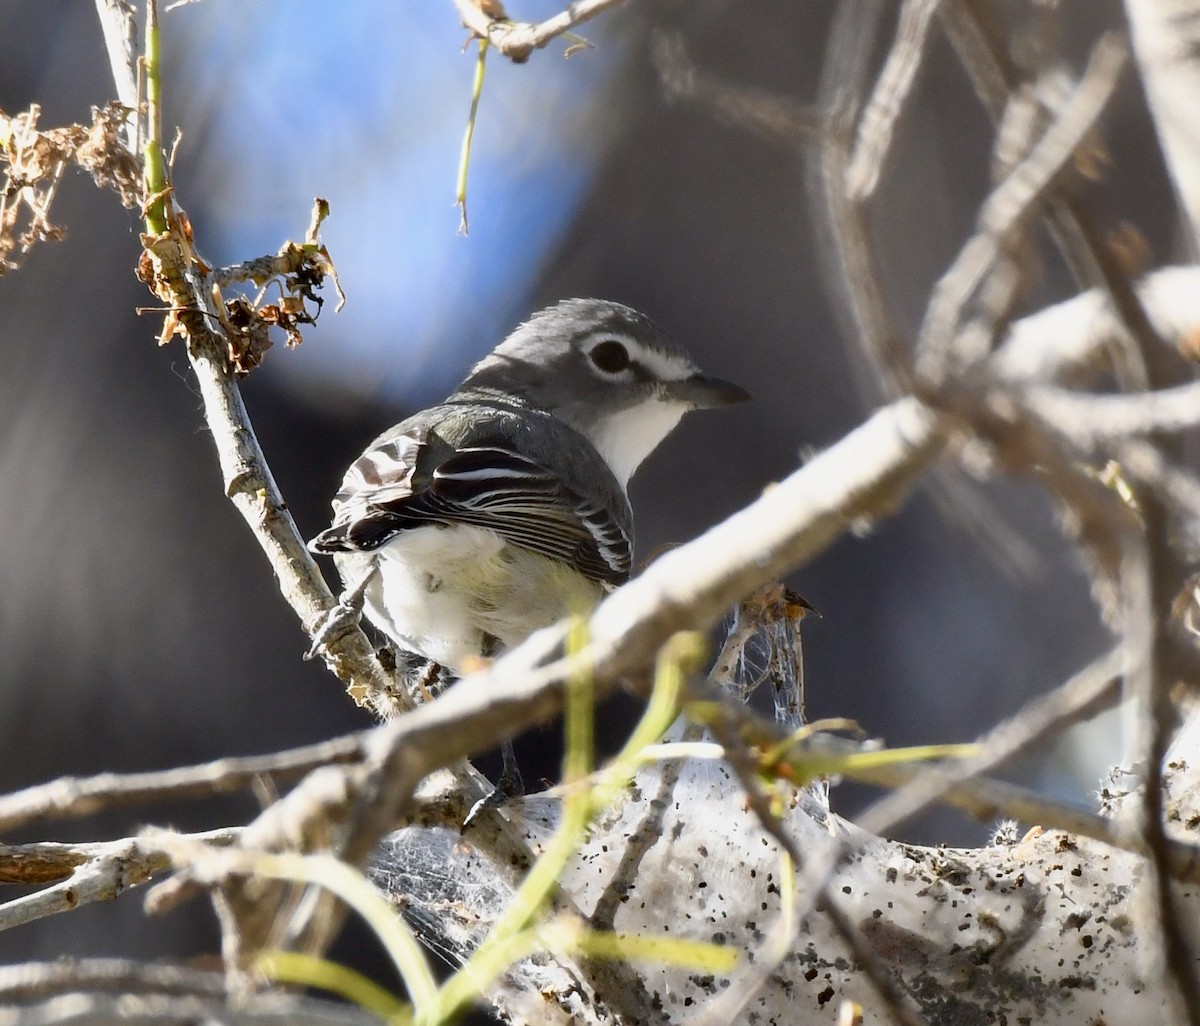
(607, 371)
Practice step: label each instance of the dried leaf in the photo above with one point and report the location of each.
(248, 334)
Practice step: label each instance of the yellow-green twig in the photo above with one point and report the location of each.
(354, 889)
(464, 159)
(700, 956)
(310, 971)
(155, 169)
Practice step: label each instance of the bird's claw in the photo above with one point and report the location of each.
(340, 617)
(424, 678)
(509, 786)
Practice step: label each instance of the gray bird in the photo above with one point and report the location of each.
(474, 523)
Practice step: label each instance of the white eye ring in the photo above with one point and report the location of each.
(610, 356)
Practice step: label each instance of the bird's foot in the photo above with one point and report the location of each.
(341, 617)
(423, 678)
(509, 786)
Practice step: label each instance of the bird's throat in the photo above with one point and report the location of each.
(626, 438)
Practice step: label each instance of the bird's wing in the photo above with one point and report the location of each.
(390, 489)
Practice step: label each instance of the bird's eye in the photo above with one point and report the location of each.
(610, 356)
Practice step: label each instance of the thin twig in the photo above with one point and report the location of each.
(248, 480)
(1091, 420)
(877, 126)
(1166, 44)
(36, 981)
(854, 279)
(105, 870)
(778, 118)
(986, 61)
(890, 994)
(1013, 202)
(464, 159)
(985, 58)
(1096, 685)
(74, 797)
(518, 39)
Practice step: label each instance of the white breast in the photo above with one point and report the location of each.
(444, 591)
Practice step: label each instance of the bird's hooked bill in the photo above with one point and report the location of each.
(705, 392)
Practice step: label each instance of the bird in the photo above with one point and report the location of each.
(504, 508)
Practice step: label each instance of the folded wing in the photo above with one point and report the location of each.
(491, 486)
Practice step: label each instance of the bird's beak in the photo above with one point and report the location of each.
(704, 393)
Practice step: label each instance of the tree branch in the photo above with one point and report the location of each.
(1013, 202)
(1166, 44)
(518, 39)
(74, 797)
(877, 125)
(247, 477)
(100, 871)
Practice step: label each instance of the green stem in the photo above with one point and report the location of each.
(464, 159)
(310, 971)
(155, 169)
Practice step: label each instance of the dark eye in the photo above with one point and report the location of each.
(610, 357)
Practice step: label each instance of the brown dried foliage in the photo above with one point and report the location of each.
(35, 162)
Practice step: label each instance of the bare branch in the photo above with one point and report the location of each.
(1166, 44)
(1092, 419)
(1068, 341)
(774, 117)
(84, 1009)
(1015, 200)
(878, 123)
(101, 872)
(518, 39)
(119, 22)
(1096, 685)
(251, 486)
(36, 981)
(860, 299)
(248, 479)
(73, 797)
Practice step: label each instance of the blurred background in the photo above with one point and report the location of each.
(139, 625)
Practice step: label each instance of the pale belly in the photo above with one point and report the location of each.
(451, 593)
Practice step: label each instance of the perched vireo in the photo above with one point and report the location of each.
(475, 522)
